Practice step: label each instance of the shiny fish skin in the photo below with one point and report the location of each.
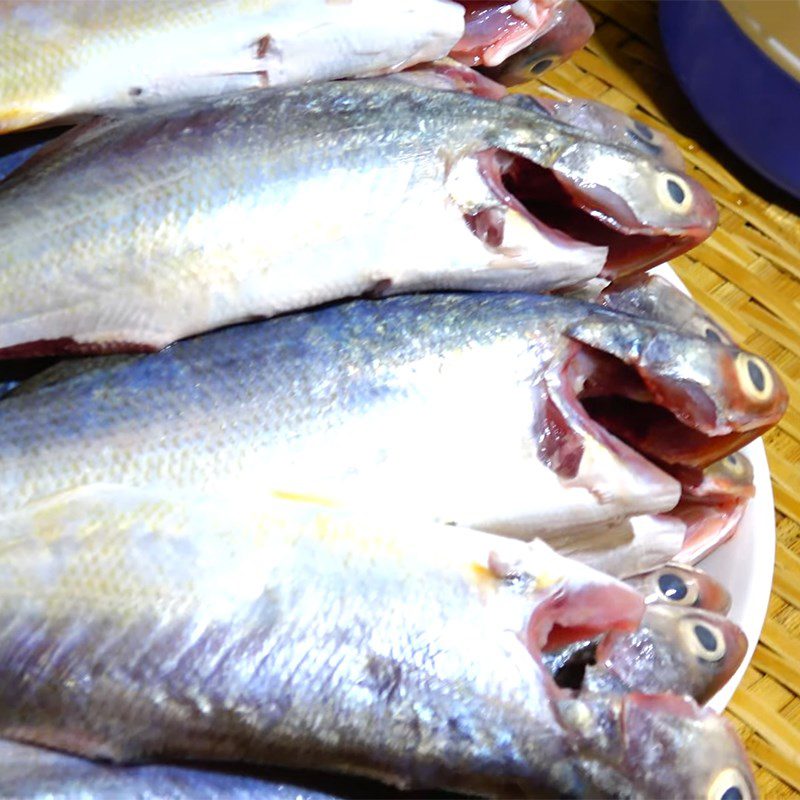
(207, 214)
(432, 403)
(60, 59)
(30, 773)
(284, 632)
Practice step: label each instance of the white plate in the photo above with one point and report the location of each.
(744, 565)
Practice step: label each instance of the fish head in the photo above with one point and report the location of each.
(598, 192)
(682, 586)
(571, 30)
(614, 127)
(679, 399)
(654, 298)
(690, 648)
(662, 745)
(494, 31)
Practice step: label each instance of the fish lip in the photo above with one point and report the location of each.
(708, 526)
(491, 50)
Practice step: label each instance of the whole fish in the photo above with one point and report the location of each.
(459, 408)
(568, 33)
(172, 627)
(494, 30)
(65, 59)
(204, 215)
(32, 773)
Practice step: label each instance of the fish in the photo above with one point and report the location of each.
(32, 773)
(495, 31)
(208, 214)
(568, 33)
(467, 408)
(63, 60)
(282, 631)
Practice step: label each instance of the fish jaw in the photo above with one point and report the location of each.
(494, 30)
(656, 746)
(713, 398)
(581, 602)
(641, 542)
(569, 33)
(198, 567)
(677, 650)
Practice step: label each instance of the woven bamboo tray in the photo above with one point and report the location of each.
(748, 276)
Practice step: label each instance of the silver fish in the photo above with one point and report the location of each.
(207, 214)
(64, 59)
(456, 408)
(175, 626)
(32, 773)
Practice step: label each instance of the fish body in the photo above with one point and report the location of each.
(207, 214)
(32, 773)
(64, 59)
(458, 408)
(288, 633)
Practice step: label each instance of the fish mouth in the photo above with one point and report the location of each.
(597, 216)
(495, 30)
(672, 426)
(582, 603)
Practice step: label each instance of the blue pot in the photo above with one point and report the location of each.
(750, 102)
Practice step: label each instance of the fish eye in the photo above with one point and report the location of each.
(703, 639)
(729, 784)
(645, 131)
(755, 377)
(712, 334)
(674, 192)
(735, 465)
(540, 66)
(673, 589)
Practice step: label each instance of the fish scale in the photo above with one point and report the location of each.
(131, 233)
(282, 632)
(433, 403)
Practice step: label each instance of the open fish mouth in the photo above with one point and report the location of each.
(589, 213)
(645, 413)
